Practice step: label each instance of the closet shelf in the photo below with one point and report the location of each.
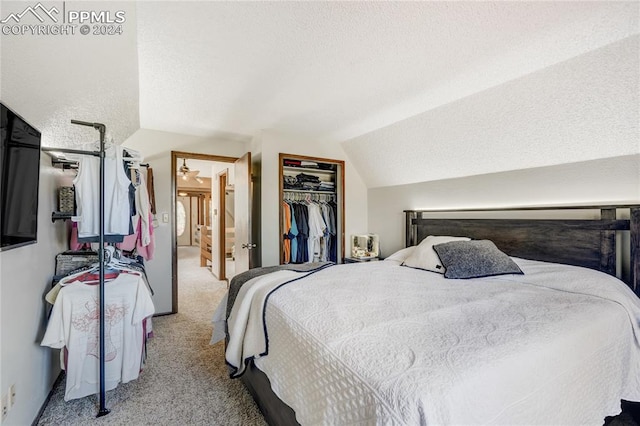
(308, 170)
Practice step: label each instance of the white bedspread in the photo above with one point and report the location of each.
(247, 334)
(377, 343)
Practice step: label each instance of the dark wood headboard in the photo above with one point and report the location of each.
(589, 243)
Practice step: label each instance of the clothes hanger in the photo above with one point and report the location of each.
(114, 263)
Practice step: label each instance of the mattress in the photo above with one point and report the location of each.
(382, 344)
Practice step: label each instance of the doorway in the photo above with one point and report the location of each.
(194, 216)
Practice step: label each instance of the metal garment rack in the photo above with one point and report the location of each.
(103, 411)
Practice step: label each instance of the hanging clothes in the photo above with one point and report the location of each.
(151, 191)
(293, 234)
(290, 241)
(117, 222)
(74, 328)
(331, 232)
(316, 232)
(141, 240)
(310, 227)
(302, 215)
(143, 208)
(286, 225)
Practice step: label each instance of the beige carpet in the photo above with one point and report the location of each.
(185, 381)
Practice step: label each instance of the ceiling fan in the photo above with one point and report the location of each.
(186, 173)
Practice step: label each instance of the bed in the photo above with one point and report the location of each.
(382, 343)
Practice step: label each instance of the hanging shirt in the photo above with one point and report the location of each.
(117, 219)
(316, 231)
(142, 237)
(286, 225)
(301, 215)
(143, 209)
(293, 234)
(326, 239)
(74, 325)
(151, 191)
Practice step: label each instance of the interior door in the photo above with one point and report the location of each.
(194, 220)
(217, 229)
(243, 212)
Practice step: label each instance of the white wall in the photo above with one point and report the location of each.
(605, 181)
(581, 109)
(271, 144)
(564, 134)
(50, 80)
(159, 268)
(26, 274)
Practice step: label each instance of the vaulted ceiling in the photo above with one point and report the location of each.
(412, 91)
(335, 70)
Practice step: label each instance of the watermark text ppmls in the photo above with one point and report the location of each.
(60, 18)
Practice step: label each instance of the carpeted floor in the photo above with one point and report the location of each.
(185, 381)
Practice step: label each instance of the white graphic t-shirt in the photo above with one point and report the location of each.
(74, 324)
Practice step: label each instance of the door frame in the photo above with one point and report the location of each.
(223, 176)
(174, 223)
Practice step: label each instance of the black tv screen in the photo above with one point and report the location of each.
(19, 179)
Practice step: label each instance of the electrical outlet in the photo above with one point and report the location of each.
(12, 395)
(5, 407)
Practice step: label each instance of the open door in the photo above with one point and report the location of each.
(243, 213)
(218, 262)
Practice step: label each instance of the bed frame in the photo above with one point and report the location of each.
(590, 243)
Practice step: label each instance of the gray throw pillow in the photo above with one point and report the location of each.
(474, 259)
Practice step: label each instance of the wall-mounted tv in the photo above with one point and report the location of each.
(19, 179)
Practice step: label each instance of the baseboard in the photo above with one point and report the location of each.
(46, 401)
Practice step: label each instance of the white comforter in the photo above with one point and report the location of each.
(247, 333)
(378, 343)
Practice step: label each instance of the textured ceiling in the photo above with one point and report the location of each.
(332, 71)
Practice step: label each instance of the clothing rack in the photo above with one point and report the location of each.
(67, 164)
(101, 128)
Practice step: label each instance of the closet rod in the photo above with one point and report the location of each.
(72, 164)
(70, 151)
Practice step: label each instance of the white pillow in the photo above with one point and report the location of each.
(400, 255)
(425, 257)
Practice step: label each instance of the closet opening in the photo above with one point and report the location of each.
(201, 201)
(311, 209)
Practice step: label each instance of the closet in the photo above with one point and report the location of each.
(311, 209)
